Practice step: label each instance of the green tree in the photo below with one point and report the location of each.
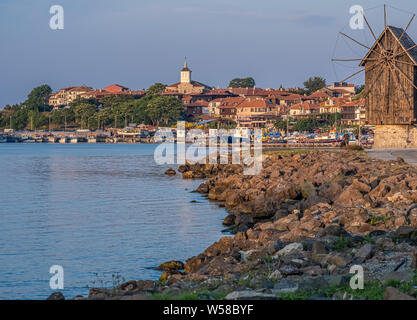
(63, 116)
(306, 124)
(38, 98)
(83, 112)
(112, 101)
(156, 89)
(313, 84)
(164, 109)
(242, 83)
(280, 124)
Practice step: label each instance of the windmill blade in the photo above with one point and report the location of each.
(359, 43)
(410, 64)
(368, 59)
(385, 16)
(373, 34)
(405, 76)
(406, 51)
(356, 73)
(351, 76)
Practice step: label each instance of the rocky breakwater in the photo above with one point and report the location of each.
(306, 218)
(299, 226)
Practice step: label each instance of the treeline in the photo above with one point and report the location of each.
(112, 111)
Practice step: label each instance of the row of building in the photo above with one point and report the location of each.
(246, 107)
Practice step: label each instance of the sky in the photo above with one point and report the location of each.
(136, 43)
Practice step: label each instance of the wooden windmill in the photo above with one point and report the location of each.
(390, 76)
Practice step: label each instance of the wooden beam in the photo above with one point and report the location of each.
(356, 73)
(410, 64)
(406, 51)
(370, 59)
(373, 34)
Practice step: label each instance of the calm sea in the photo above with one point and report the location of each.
(103, 212)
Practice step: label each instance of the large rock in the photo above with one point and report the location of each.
(319, 247)
(250, 295)
(405, 232)
(290, 248)
(394, 294)
(56, 296)
(350, 197)
(170, 172)
(364, 253)
(171, 266)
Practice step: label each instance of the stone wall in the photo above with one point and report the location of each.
(395, 137)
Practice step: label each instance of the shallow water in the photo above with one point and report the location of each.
(105, 213)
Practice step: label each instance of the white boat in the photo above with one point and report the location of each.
(74, 140)
(63, 140)
(51, 139)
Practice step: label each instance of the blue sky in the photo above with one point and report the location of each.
(139, 42)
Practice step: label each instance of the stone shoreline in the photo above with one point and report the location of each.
(299, 226)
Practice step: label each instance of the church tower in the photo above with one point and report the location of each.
(185, 74)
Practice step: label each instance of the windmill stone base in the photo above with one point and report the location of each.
(395, 137)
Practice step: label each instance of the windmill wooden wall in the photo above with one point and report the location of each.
(390, 98)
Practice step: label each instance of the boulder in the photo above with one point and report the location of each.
(171, 266)
(404, 232)
(364, 253)
(319, 248)
(250, 295)
(290, 248)
(56, 296)
(170, 172)
(394, 294)
(229, 220)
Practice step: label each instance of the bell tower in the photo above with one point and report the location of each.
(185, 74)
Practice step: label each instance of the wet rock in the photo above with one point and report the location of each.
(188, 175)
(229, 220)
(170, 172)
(182, 168)
(56, 296)
(171, 266)
(203, 188)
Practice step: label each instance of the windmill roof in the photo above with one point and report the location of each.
(405, 41)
